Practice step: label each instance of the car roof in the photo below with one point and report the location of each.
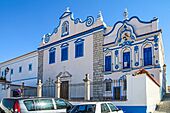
(23, 98)
(85, 103)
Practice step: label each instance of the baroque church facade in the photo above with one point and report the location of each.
(106, 53)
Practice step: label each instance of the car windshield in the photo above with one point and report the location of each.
(87, 108)
(112, 107)
(8, 103)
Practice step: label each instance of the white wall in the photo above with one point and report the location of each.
(152, 94)
(26, 76)
(78, 67)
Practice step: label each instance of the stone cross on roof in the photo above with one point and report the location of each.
(125, 14)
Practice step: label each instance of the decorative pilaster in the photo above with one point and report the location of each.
(98, 65)
(40, 65)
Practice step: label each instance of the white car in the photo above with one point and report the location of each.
(95, 107)
(35, 105)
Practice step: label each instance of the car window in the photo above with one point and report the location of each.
(44, 104)
(29, 105)
(89, 108)
(112, 107)
(104, 108)
(8, 103)
(61, 104)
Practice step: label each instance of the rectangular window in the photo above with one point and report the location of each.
(2, 73)
(147, 56)
(79, 49)
(126, 60)
(20, 69)
(12, 71)
(64, 53)
(52, 57)
(108, 86)
(108, 63)
(30, 67)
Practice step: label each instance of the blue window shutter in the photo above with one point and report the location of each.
(147, 56)
(52, 57)
(79, 49)
(64, 54)
(108, 63)
(126, 59)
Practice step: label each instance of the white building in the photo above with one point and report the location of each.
(125, 61)
(108, 54)
(22, 69)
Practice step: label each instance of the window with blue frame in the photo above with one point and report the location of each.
(20, 69)
(12, 71)
(30, 67)
(79, 48)
(64, 53)
(147, 56)
(52, 55)
(108, 63)
(126, 60)
(65, 28)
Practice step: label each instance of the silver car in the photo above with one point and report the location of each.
(95, 107)
(35, 105)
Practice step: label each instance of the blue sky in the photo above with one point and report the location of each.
(24, 22)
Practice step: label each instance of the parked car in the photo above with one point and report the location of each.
(35, 105)
(95, 107)
(1, 110)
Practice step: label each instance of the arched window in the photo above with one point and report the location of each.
(52, 55)
(65, 28)
(126, 59)
(147, 55)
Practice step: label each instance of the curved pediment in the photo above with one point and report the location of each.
(126, 31)
(125, 35)
(68, 26)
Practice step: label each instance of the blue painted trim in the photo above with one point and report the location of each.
(52, 49)
(130, 69)
(24, 79)
(73, 37)
(65, 14)
(137, 37)
(132, 44)
(134, 17)
(64, 45)
(133, 109)
(79, 40)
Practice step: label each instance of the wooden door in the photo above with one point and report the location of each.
(64, 90)
(117, 93)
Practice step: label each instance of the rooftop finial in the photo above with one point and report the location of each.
(67, 9)
(125, 14)
(99, 16)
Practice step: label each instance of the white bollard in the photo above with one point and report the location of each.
(57, 87)
(87, 87)
(39, 89)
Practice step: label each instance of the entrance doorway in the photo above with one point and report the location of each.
(116, 93)
(64, 89)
